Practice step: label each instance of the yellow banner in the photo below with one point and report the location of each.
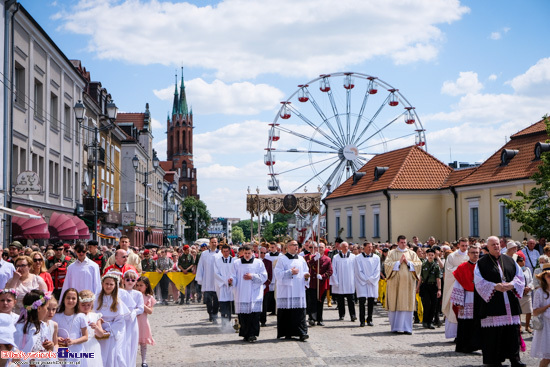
(419, 308)
(178, 278)
(154, 278)
(181, 280)
(382, 292)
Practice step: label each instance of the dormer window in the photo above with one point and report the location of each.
(506, 156)
(357, 176)
(379, 171)
(541, 148)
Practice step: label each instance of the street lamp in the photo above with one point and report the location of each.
(146, 173)
(165, 204)
(79, 113)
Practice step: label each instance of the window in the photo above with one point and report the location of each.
(362, 225)
(54, 112)
(474, 217)
(22, 160)
(38, 166)
(67, 184)
(38, 99)
(19, 85)
(376, 221)
(67, 122)
(76, 187)
(53, 175)
(349, 233)
(337, 223)
(504, 221)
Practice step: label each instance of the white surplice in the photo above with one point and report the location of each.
(136, 307)
(112, 349)
(205, 270)
(273, 256)
(451, 263)
(82, 275)
(343, 273)
(291, 289)
(223, 271)
(367, 275)
(70, 326)
(249, 294)
(92, 345)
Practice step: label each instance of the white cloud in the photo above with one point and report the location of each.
(232, 99)
(535, 81)
(492, 77)
(161, 146)
(466, 83)
(498, 34)
(242, 39)
(155, 124)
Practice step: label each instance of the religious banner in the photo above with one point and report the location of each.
(284, 203)
(154, 278)
(181, 280)
(178, 278)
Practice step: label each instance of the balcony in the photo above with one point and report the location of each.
(100, 157)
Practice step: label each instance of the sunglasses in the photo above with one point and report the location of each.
(37, 260)
(130, 280)
(21, 265)
(58, 249)
(81, 252)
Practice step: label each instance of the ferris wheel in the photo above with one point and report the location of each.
(332, 125)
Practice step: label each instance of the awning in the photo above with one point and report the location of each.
(17, 213)
(62, 226)
(27, 228)
(172, 236)
(108, 231)
(117, 233)
(83, 230)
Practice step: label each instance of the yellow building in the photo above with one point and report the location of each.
(408, 191)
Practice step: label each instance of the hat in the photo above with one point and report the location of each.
(146, 252)
(58, 246)
(66, 245)
(386, 250)
(204, 245)
(430, 250)
(92, 243)
(511, 244)
(16, 244)
(186, 247)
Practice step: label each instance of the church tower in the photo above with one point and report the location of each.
(180, 141)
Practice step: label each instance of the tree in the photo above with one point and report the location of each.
(237, 235)
(193, 212)
(532, 209)
(245, 226)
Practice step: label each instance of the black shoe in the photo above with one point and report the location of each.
(407, 332)
(210, 318)
(144, 365)
(215, 321)
(262, 324)
(245, 339)
(303, 338)
(362, 324)
(181, 301)
(370, 323)
(353, 318)
(341, 318)
(311, 322)
(430, 326)
(518, 364)
(288, 337)
(252, 339)
(320, 323)
(425, 325)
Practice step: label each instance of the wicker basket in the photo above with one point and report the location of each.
(106, 335)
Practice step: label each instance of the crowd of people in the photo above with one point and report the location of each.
(90, 304)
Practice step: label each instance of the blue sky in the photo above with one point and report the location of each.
(476, 71)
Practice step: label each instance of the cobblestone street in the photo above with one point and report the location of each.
(184, 337)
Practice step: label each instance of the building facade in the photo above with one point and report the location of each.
(408, 191)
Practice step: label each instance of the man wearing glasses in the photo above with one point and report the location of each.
(121, 265)
(83, 273)
(57, 267)
(133, 258)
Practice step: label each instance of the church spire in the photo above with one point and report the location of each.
(175, 104)
(183, 110)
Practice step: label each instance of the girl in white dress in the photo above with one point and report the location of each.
(7, 303)
(132, 329)
(31, 332)
(72, 327)
(113, 312)
(540, 347)
(52, 325)
(86, 305)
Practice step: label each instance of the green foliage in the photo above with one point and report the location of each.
(532, 209)
(194, 211)
(237, 235)
(245, 226)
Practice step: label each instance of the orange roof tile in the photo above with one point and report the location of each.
(409, 168)
(522, 166)
(535, 128)
(457, 175)
(167, 165)
(134, 117)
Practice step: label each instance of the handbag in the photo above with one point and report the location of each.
(537, 322)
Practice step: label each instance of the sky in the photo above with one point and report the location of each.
(475, 72)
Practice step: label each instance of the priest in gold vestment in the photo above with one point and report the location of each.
(402, 271)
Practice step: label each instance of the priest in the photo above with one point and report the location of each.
(248, 283)
(462, 299)
(498, 283)
(320, 270)
(451, 264)
(402, 270)
(272, 256)
(343, 280)
(205, 277)
(292, 275)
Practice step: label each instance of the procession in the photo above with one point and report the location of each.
(485, 296)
